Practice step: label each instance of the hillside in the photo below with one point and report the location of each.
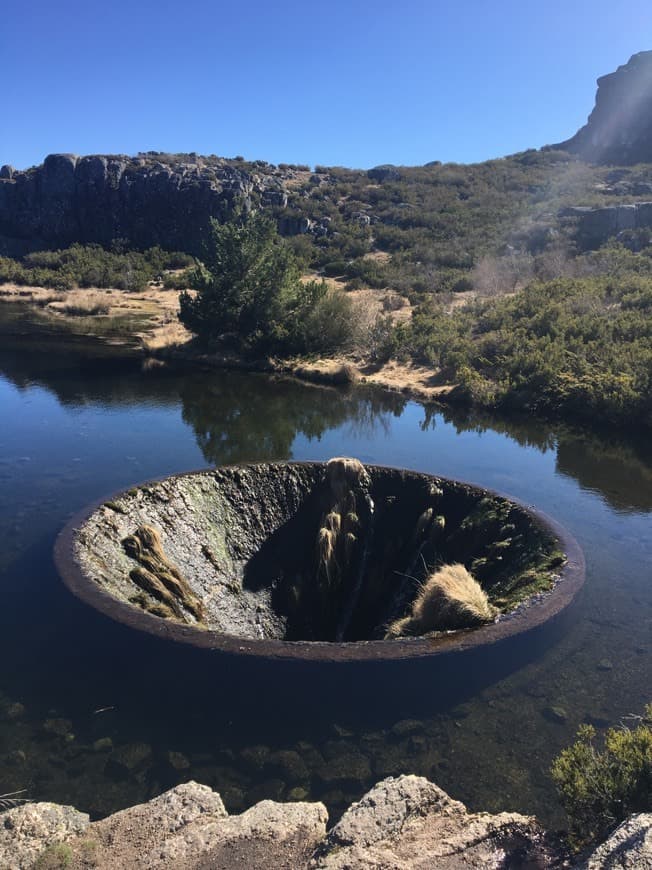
(523, 282)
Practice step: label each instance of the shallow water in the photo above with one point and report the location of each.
(74, 428)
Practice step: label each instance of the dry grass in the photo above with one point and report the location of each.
(378, 256)
(81, 303)
(331, 283)
(158, 577)
(165, 335)
(449, 599)
(299, 178)
(153, 308)
(372, 303)
(345, 474)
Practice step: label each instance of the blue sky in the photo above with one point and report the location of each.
(338, 83)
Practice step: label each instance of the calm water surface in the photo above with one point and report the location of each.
(72, 431)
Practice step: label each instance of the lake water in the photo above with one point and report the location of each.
(96, 715)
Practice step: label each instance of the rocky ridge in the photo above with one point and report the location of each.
(619, 129)
(150, 199)
(402, 823)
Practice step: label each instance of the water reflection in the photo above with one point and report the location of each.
(238, 417)
(614, 466)
(620, 472)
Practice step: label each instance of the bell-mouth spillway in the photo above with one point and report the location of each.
(320, 561)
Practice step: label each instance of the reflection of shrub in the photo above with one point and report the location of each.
(600, 788)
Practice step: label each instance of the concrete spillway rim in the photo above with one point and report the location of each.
(528, 616)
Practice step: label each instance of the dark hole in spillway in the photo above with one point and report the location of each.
(320, 560)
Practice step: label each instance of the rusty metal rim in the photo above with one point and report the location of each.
(525, 618)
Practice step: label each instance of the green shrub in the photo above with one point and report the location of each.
(334, 269)
(370, 271)
(177, 280)
(599, 788)
(249, 292)
(384, 339)
(245, 286)
(91, 266)
(326, 324)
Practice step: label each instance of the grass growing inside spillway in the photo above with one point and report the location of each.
(449, 599)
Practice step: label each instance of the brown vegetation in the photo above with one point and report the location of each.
(449, 599)
(159, 577)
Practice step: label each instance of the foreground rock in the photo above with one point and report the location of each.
(628, 848)
(401, 823)
(184, 828)
(25, 832)
(410, 823)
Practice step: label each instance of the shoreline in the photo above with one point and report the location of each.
(393, 378)
(416, 383)
(152, 334)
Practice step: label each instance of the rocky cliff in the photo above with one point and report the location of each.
(619, 129)
(151, 199)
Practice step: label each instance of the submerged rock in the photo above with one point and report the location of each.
(16, 710)
(556, 714)
(178, 761)
(255, 757)
(290, 766)
(348, 768)
(58, 727)
(406, 727)
(129, 757)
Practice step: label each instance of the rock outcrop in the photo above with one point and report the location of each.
(401, 823)
(151, 199)
(27, 831)
(596, 225)
(619, 129)
(628, 848)
(184, 828)
(409, 823)
(405, 823)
